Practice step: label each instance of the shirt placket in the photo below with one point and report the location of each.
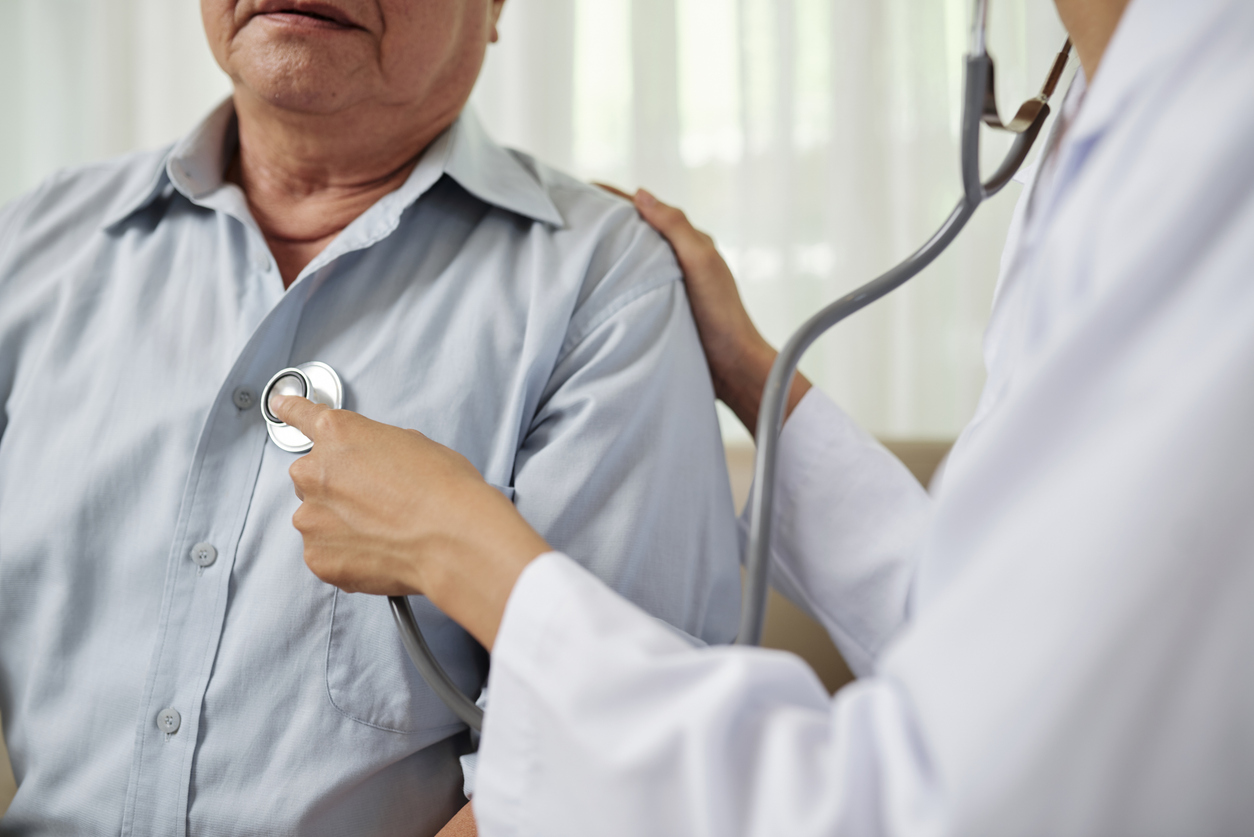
(212, 514)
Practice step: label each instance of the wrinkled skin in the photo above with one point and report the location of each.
(336, 100)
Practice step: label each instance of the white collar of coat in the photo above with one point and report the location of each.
(196, 164)
(1145, 50)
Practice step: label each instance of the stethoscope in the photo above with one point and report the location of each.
(314, 380)
(979, 105)
(321, 384)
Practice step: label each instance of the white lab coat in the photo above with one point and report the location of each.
(1062, 642)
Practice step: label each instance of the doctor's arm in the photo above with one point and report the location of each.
(847, 512)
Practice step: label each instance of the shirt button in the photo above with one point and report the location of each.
(169, 721)
(244, 398)
(204, 554)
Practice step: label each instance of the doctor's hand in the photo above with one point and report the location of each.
(739, 357)
(389, 512)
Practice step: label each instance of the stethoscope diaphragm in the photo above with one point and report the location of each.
(315, 381)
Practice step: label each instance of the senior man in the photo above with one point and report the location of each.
(167, 663)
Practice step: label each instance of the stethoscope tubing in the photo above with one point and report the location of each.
(430, 669)
(778, 382)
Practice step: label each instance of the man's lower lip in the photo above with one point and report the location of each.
(299, 21)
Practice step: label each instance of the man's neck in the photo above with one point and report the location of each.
(1091, 24)
(307, 177)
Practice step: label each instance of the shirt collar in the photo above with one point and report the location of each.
(497, 175)
(196, 164)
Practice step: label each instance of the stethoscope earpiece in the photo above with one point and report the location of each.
(315, 381)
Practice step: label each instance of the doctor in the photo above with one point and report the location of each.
(1060, 642)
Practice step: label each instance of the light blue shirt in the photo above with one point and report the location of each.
(527, 320)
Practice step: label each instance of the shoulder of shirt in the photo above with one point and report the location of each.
(80, 201)
(623, 258)
(67, 212)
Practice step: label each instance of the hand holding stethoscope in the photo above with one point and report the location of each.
(389, 512)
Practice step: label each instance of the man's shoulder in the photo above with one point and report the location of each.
(78, 200)
(623, 257)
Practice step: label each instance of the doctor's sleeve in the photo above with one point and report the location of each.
(604, 722)
(848, 516)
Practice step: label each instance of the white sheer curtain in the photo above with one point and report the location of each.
(86, 79)
(816, 139)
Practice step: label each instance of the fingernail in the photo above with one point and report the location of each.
(277, 401)
(644, 198)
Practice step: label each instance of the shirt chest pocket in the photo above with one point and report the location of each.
(370, 679)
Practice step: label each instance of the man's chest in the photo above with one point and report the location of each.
(134, 436)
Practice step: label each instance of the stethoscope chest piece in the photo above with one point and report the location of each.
(315, 381)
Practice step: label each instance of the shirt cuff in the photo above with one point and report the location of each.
(470, 765)
(470, 761)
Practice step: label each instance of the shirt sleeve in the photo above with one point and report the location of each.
(623, 466)
(847, 517)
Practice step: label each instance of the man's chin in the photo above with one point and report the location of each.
(299, 98)
(315, 74)
(301, 87)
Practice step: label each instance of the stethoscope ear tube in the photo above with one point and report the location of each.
(432, 672)
(775, 397)
(775, 394)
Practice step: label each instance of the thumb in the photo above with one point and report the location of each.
(298, 412)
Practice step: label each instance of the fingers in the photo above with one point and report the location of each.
(613, 190)
(666, 219)
(298, 412)
(690, 244)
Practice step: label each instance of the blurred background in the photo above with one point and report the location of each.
(816, 140)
